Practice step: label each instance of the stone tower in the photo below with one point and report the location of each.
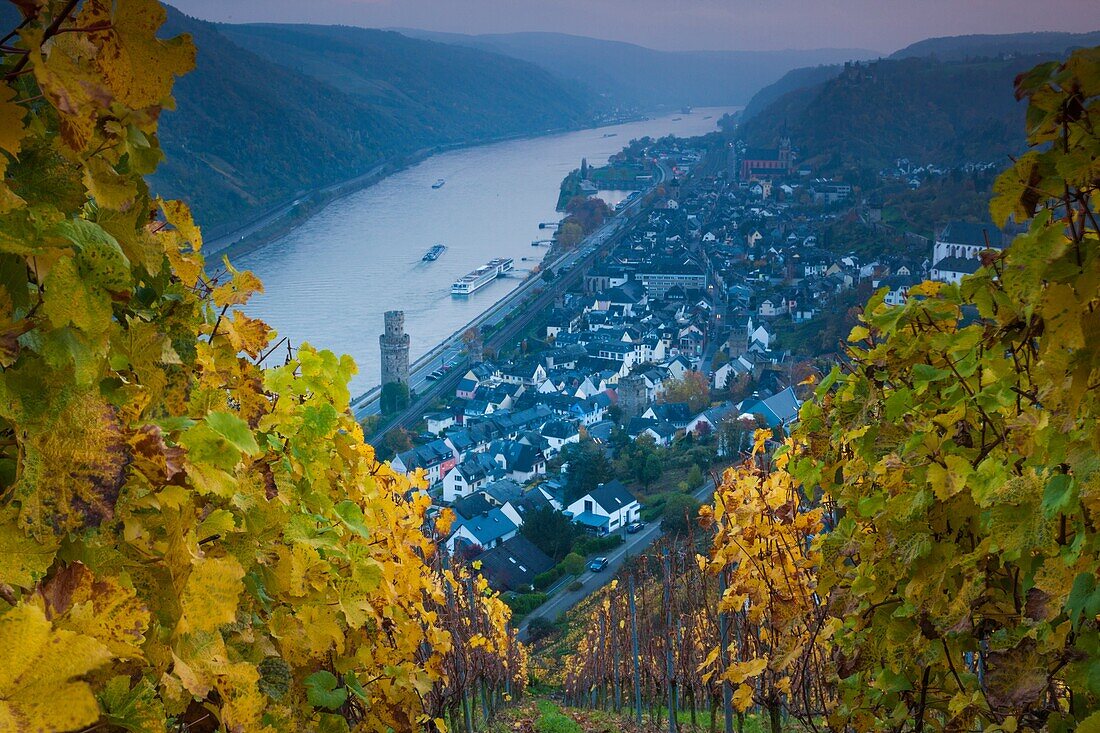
(394, 344)
(632, 399)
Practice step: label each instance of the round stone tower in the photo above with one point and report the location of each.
(394, 344)
(632, 397)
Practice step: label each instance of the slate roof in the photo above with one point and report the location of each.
(612, 496)
(974, 235)
(488, 527)
(560, 429)
(513, 564)
(779, 409)
(471, 506)
(964, 265)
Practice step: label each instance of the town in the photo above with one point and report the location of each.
(608, 421)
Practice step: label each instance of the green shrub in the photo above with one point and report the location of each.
(523, 603)
(573, 564)
(589, 545)
(575, 585)
(540, 627)
(543, 581)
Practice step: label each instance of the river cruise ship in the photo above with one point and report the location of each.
(482, 276)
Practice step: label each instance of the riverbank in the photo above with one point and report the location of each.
(330, 280)
(283, 219)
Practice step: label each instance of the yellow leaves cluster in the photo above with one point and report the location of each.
(180, 528)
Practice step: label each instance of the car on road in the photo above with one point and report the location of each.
(635, 527)
(597, 564)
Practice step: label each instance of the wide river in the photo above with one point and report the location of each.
(329, 280)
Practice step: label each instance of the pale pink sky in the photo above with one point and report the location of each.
(880, 25)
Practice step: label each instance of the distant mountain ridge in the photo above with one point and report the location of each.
(632, 75)
(273, 111)
(923, 109)
(959, 48)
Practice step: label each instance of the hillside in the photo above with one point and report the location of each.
(632, 75)
(959, 48)
(922, 109)
(452, 94)
(793, 80)
(272, 111)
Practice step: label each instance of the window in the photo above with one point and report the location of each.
(587, 505)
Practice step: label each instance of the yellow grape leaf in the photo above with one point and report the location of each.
(12, 129)
(741, 671)
(946, 482)
(38, 686)
(179, 216)
(742, 697)
(244, 703)
(211, 594)
(97, 607)
(238, 290)
(69, 299)
(109, 188)
(249, 335)
(23, 560)
(137, 66)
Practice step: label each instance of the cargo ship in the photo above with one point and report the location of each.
(433, 254)
(482, 276)
(439, 183)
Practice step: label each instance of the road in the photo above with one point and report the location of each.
(565, 599)
(271, 217)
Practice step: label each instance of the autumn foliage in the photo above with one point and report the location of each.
(923, 551)
(186, 537)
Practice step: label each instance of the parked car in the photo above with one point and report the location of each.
(597, 564)
(634, 527)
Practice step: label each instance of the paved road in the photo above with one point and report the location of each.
(562, 601)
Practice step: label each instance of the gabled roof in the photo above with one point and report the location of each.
(970, 234)
(964, 265)
(779, 409)
(561, 429)
(504, 491)
(471, 506)
(513, 564)
(612, 496)
(487, 527)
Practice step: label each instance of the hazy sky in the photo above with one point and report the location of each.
(880, 25)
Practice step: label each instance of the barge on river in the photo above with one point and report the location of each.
(433, 254)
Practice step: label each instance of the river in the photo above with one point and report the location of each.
(329, 280)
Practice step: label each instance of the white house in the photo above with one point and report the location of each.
(607, 508)
(486, 530)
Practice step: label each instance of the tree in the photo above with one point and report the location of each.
(550, 531)
(651, 470)
(587, 212)
(695, 477)
(396, 440)
(570, 233)
(588, 467)
(188, 539)
(692, 388)
(679, 513)
(573, 564)
(394, 397)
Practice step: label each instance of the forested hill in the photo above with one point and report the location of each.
(793, 80)
(922, 109)
(628, 74)
(959, 48)
(272, 111)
